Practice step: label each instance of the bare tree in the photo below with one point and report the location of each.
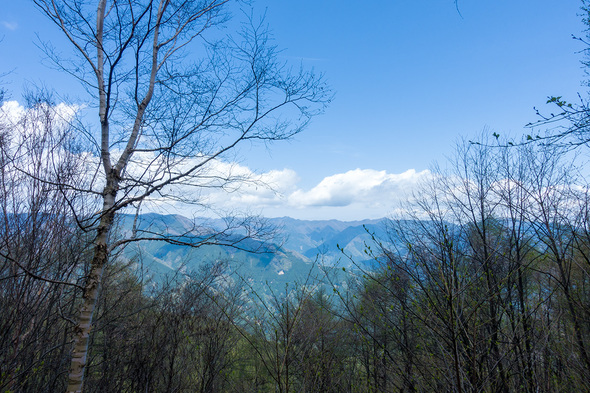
(568, 123)
(42, 250)
(165, 118)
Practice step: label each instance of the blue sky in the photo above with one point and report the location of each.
(410, 77)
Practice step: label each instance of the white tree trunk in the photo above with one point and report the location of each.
(91, 293)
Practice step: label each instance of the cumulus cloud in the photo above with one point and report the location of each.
(234, 187)
(356, 194)
(267, 189)
(13, 112)
(218, 186)
(9, 25)
(366, 186)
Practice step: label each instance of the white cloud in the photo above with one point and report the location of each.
(366, 186)
(233, 187)
(10, 25)
(356, 194)
(13, 112)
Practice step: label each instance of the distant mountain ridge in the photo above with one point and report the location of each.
(302, 247)
(323, 239)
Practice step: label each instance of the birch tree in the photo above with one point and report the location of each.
(174, 94)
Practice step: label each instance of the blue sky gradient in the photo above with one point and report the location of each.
(410, 77)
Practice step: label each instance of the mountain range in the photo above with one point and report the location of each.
(301, 251)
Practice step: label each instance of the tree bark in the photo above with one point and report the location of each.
(91, 293)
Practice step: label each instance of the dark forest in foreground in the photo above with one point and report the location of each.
(482, 287)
